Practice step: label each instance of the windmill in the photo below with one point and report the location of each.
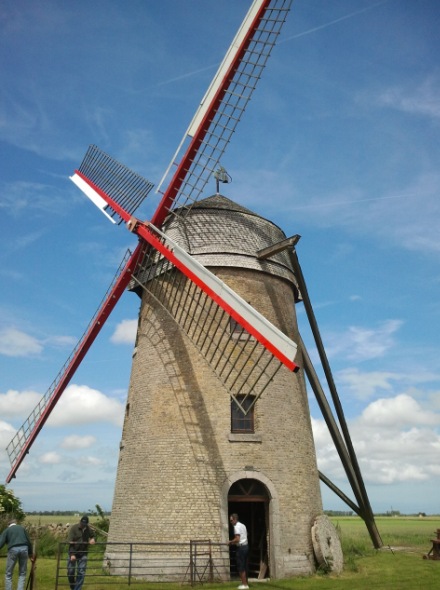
(213, 352)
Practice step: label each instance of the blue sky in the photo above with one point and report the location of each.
(340, 144)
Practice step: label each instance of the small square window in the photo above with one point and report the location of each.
(241, 421)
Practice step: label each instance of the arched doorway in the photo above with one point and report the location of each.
(249, 498)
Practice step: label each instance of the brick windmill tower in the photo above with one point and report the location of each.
(211, 427)
(216, 418)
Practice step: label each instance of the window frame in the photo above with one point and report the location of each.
(244, 423)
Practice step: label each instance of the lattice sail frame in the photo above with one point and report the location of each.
(242, 363)
(203, 145)
(125, 187)
(214, 123)
(230, 101)
(36, 419)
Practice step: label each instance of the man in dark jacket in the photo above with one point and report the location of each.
(80, 536)
(19, 549)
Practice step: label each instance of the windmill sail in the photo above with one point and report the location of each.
(203, 146)
(27, 433)
(244, 314)
(223, 105)
(125, 188)
(205, 315)
(244, 366)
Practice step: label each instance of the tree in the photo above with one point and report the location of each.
(10, 507)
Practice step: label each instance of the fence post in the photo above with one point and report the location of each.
(58, 565)
(191, 563)
(211, 563)
(130, 563)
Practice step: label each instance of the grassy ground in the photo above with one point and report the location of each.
(45, 519)
(413, 533)
(399, 565)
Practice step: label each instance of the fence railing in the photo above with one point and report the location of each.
(196, 562)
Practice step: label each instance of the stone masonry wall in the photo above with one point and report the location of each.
(178, 458)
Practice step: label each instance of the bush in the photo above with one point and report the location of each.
(46, 544)
(10, 507)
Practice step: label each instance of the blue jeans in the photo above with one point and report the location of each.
(76, 571)
(20, 554)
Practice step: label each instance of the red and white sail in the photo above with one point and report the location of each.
(202, 146)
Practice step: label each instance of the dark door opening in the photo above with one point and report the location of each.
(249, 499)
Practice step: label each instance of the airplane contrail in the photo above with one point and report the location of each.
(333, 22)
(188, 75)
(308, 32)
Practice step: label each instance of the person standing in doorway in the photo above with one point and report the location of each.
(80, 536)
(19, 549)
(241, 541)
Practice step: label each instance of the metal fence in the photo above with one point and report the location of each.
(196, 562)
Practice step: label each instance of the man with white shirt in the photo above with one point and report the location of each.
(241, 541)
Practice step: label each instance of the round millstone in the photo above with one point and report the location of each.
(327, 545)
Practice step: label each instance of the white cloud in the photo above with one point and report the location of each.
(15, 404)
(389, 438)
(62, 341)
(21, 197)
(364, 385)
(370, 343)
(91, 461)
(389, 455)
(50, 458)
(360, 344)
(75, 441)
(321, 434)
(389, 213)
(400, 410)
(68, 475)
(387, 472)
(419, 100)
(15, 343)
(81, 404)
(125, 332)
(328, 459)
(77, 406)
(6, 429)
(433, 399)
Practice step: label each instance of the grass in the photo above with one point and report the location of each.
(399, 565)
(45, 519)
(410, 532)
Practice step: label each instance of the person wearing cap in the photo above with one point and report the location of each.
(19, 549)
(79, 538)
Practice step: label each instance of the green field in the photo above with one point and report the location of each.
(45, 519)
(399, 565)
(410, 532)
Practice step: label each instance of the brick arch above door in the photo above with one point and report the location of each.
(248, 490)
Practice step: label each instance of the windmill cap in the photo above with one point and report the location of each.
(85, 520)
